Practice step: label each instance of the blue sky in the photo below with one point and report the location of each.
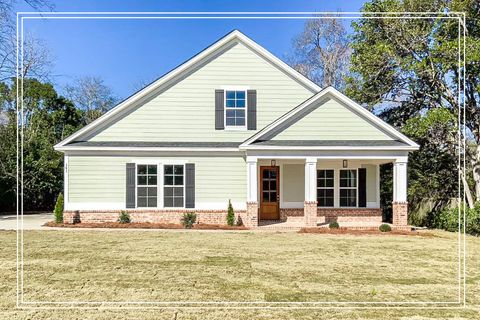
(127, 52)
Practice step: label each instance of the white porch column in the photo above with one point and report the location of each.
(400, 204)
(400, 180)
(310, 204)
(252, 180)
(251, 218)
(311, 179)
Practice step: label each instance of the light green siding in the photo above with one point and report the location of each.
(185, 112)
(371, 182)
(293, 183)
(102, 179)
(332, 121)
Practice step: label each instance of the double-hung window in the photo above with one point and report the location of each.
(146, 185)
(348, 188)
(235, 105)
(173, 186)
(325, 188)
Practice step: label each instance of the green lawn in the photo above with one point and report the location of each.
(264, 267)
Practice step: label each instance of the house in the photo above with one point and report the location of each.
(234, 122)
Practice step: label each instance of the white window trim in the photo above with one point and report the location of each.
(334, 187)
(234, 128)
(184, 185)
(160, 182)
(136, 183)
(350, 188)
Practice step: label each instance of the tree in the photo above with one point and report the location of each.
(47, 119)
(92, 96)
(433, 169)
(230, 214)
(36, 57)
(403, 67)
(321, 52)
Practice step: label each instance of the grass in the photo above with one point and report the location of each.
(132, 265)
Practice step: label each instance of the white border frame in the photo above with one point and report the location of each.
(20, 303)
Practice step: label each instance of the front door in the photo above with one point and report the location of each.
(269, 193)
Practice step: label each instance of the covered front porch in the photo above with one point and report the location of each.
(314, 189)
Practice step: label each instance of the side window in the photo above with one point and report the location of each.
(235, 109)
(173, 186)
(325, 188)
(348, 188)
(146, 185)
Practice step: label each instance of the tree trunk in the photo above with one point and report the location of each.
(476, 172)
(468, 193)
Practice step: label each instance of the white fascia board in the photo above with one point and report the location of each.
(367, 114)
(235, 35)
(321, 148)
(148, 149)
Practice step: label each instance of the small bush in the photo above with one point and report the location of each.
(189, 219)
(230, 214)
(385, 228)
(447, 219)
(333, 225)
(239, 222)
(58, 211)
(124, 217)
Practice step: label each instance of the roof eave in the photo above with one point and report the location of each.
(147, 149)
(325, 148)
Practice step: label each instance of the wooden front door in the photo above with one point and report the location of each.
(269, 193)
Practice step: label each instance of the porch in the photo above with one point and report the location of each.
(312, 191)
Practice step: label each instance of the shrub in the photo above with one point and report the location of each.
(239, 221)
(189, 219)
(124, 217)
(58, 211)
(333, 225)
(385, 228)
(230, 214)
(447, 219)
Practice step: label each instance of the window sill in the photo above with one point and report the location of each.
(235, 129)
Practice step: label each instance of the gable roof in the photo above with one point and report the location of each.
(178, 73)
(259, 140)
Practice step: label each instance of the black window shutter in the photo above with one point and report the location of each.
(130, 198)
(219, 106)
(252, 109)
(362, 187)
(189, 185)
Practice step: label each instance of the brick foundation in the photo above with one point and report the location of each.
(251, 216)
(310, 213)
(286, 213)
(400, 213)
(152, 216)
(350, 215)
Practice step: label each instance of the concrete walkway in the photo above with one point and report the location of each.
(30, 221)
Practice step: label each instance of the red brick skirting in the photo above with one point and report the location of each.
(350, 215)
(152, 216)
(337, 214)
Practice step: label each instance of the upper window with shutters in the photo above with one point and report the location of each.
(235, 107)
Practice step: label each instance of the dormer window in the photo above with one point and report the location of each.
(235, 109)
